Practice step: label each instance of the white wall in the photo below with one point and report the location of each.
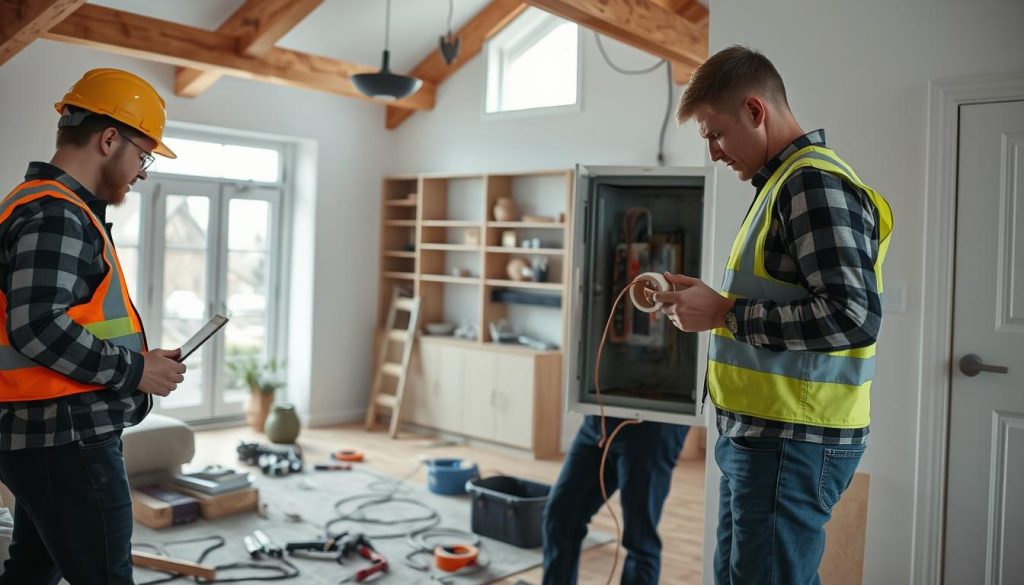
(336, 212)
(861, 71)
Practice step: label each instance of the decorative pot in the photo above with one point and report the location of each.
(282, 425)
(257, 408)
(505, 209)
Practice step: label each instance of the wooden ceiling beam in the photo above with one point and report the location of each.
(185, 46)
(643, 24)
(23, 21)
(487, 23)
(258, 25)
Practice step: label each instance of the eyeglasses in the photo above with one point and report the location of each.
(145, 159)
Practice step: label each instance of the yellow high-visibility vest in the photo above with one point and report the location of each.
(108, 314)
(828, 389)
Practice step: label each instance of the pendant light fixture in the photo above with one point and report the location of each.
(384, 84)
(449, 44)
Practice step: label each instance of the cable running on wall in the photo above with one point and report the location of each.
(645, 71)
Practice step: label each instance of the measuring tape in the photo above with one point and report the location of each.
(454, 557)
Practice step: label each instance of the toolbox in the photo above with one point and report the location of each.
(508, 509)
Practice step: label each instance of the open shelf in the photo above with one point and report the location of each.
(527, 225)
(525, 284)
(525, 251)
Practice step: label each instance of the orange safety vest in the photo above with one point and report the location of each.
(108, 314)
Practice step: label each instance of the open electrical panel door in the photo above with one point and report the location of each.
(627, 221)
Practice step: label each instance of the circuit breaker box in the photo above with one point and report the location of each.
(627, 221)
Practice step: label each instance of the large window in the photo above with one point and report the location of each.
(202, 236)
(533, 63)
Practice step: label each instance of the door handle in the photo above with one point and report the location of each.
(971, 365)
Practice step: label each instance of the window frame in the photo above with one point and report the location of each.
(518, 37)
(151, 246)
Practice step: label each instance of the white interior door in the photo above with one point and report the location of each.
(984, 510)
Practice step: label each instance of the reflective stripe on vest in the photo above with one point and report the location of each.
(108, 315)
(830, 389)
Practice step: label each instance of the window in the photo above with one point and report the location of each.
(203, 236)
(533, 63)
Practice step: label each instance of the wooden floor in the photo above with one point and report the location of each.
(681, 526)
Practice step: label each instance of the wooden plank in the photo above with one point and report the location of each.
(640, 23)
(487, 23)
(22, 21)
(258, 25)
(180, 567)
(176, 44)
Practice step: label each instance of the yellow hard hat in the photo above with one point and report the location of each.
(123, 96)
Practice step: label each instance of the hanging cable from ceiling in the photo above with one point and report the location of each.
(645, 71)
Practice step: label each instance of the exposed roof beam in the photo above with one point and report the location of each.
(258, 25)
(185, 46)
(491, 19)
(695, 12)
(643, 24)
(22, 21)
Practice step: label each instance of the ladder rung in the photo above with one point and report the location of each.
(391, 369)
(405, 304)
(400, 335)
(388, 400)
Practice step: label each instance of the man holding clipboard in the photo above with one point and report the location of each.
(74, 366)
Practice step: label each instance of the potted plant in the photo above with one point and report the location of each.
(263, 378)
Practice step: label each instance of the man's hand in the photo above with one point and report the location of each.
(162, 372)
(693, 305)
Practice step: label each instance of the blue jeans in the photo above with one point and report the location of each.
(73, 515)
(775, 497)
(640, 464)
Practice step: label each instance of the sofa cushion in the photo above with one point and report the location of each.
(157, 444)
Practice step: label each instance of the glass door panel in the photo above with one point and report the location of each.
(185, 295)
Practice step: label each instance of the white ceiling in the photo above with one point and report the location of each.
(351, 30)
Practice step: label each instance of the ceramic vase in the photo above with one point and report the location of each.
(505, 209)
(282, 425)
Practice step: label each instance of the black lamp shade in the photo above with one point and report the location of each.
(384, 84)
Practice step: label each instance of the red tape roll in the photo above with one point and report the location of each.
(452, 558)
(350, 455)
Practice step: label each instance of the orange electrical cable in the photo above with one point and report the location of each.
(606, 441)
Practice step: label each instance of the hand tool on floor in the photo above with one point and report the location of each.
(359, 544)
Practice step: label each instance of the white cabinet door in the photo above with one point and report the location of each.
(479, 393)
(513, 403)
(415, 403)
(446, 411)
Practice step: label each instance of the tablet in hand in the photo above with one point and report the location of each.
(212, 326)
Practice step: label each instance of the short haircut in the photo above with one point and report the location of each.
(727, 78)
(80, 134)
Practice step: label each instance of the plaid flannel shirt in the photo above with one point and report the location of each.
(50, 260)
(823, 236)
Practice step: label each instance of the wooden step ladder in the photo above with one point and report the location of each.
(395, 370)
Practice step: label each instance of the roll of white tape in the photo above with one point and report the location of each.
(642, 285)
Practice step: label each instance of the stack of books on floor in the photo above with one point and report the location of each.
(210, 492)
(213, 480)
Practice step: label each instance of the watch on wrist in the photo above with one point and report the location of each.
(730, 321)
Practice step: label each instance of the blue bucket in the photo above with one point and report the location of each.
(448, 477)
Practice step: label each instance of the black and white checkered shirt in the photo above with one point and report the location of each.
(824, 237)
(51, 259)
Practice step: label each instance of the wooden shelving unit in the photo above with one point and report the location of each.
(440, 239)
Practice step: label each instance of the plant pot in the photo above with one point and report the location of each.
(257, 408)
(282, 425)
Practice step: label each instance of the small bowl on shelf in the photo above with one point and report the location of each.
(439, 328)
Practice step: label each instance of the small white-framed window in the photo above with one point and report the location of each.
(533, 63)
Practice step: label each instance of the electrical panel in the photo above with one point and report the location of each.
(627, 221)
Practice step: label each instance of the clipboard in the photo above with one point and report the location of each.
(196, 341)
